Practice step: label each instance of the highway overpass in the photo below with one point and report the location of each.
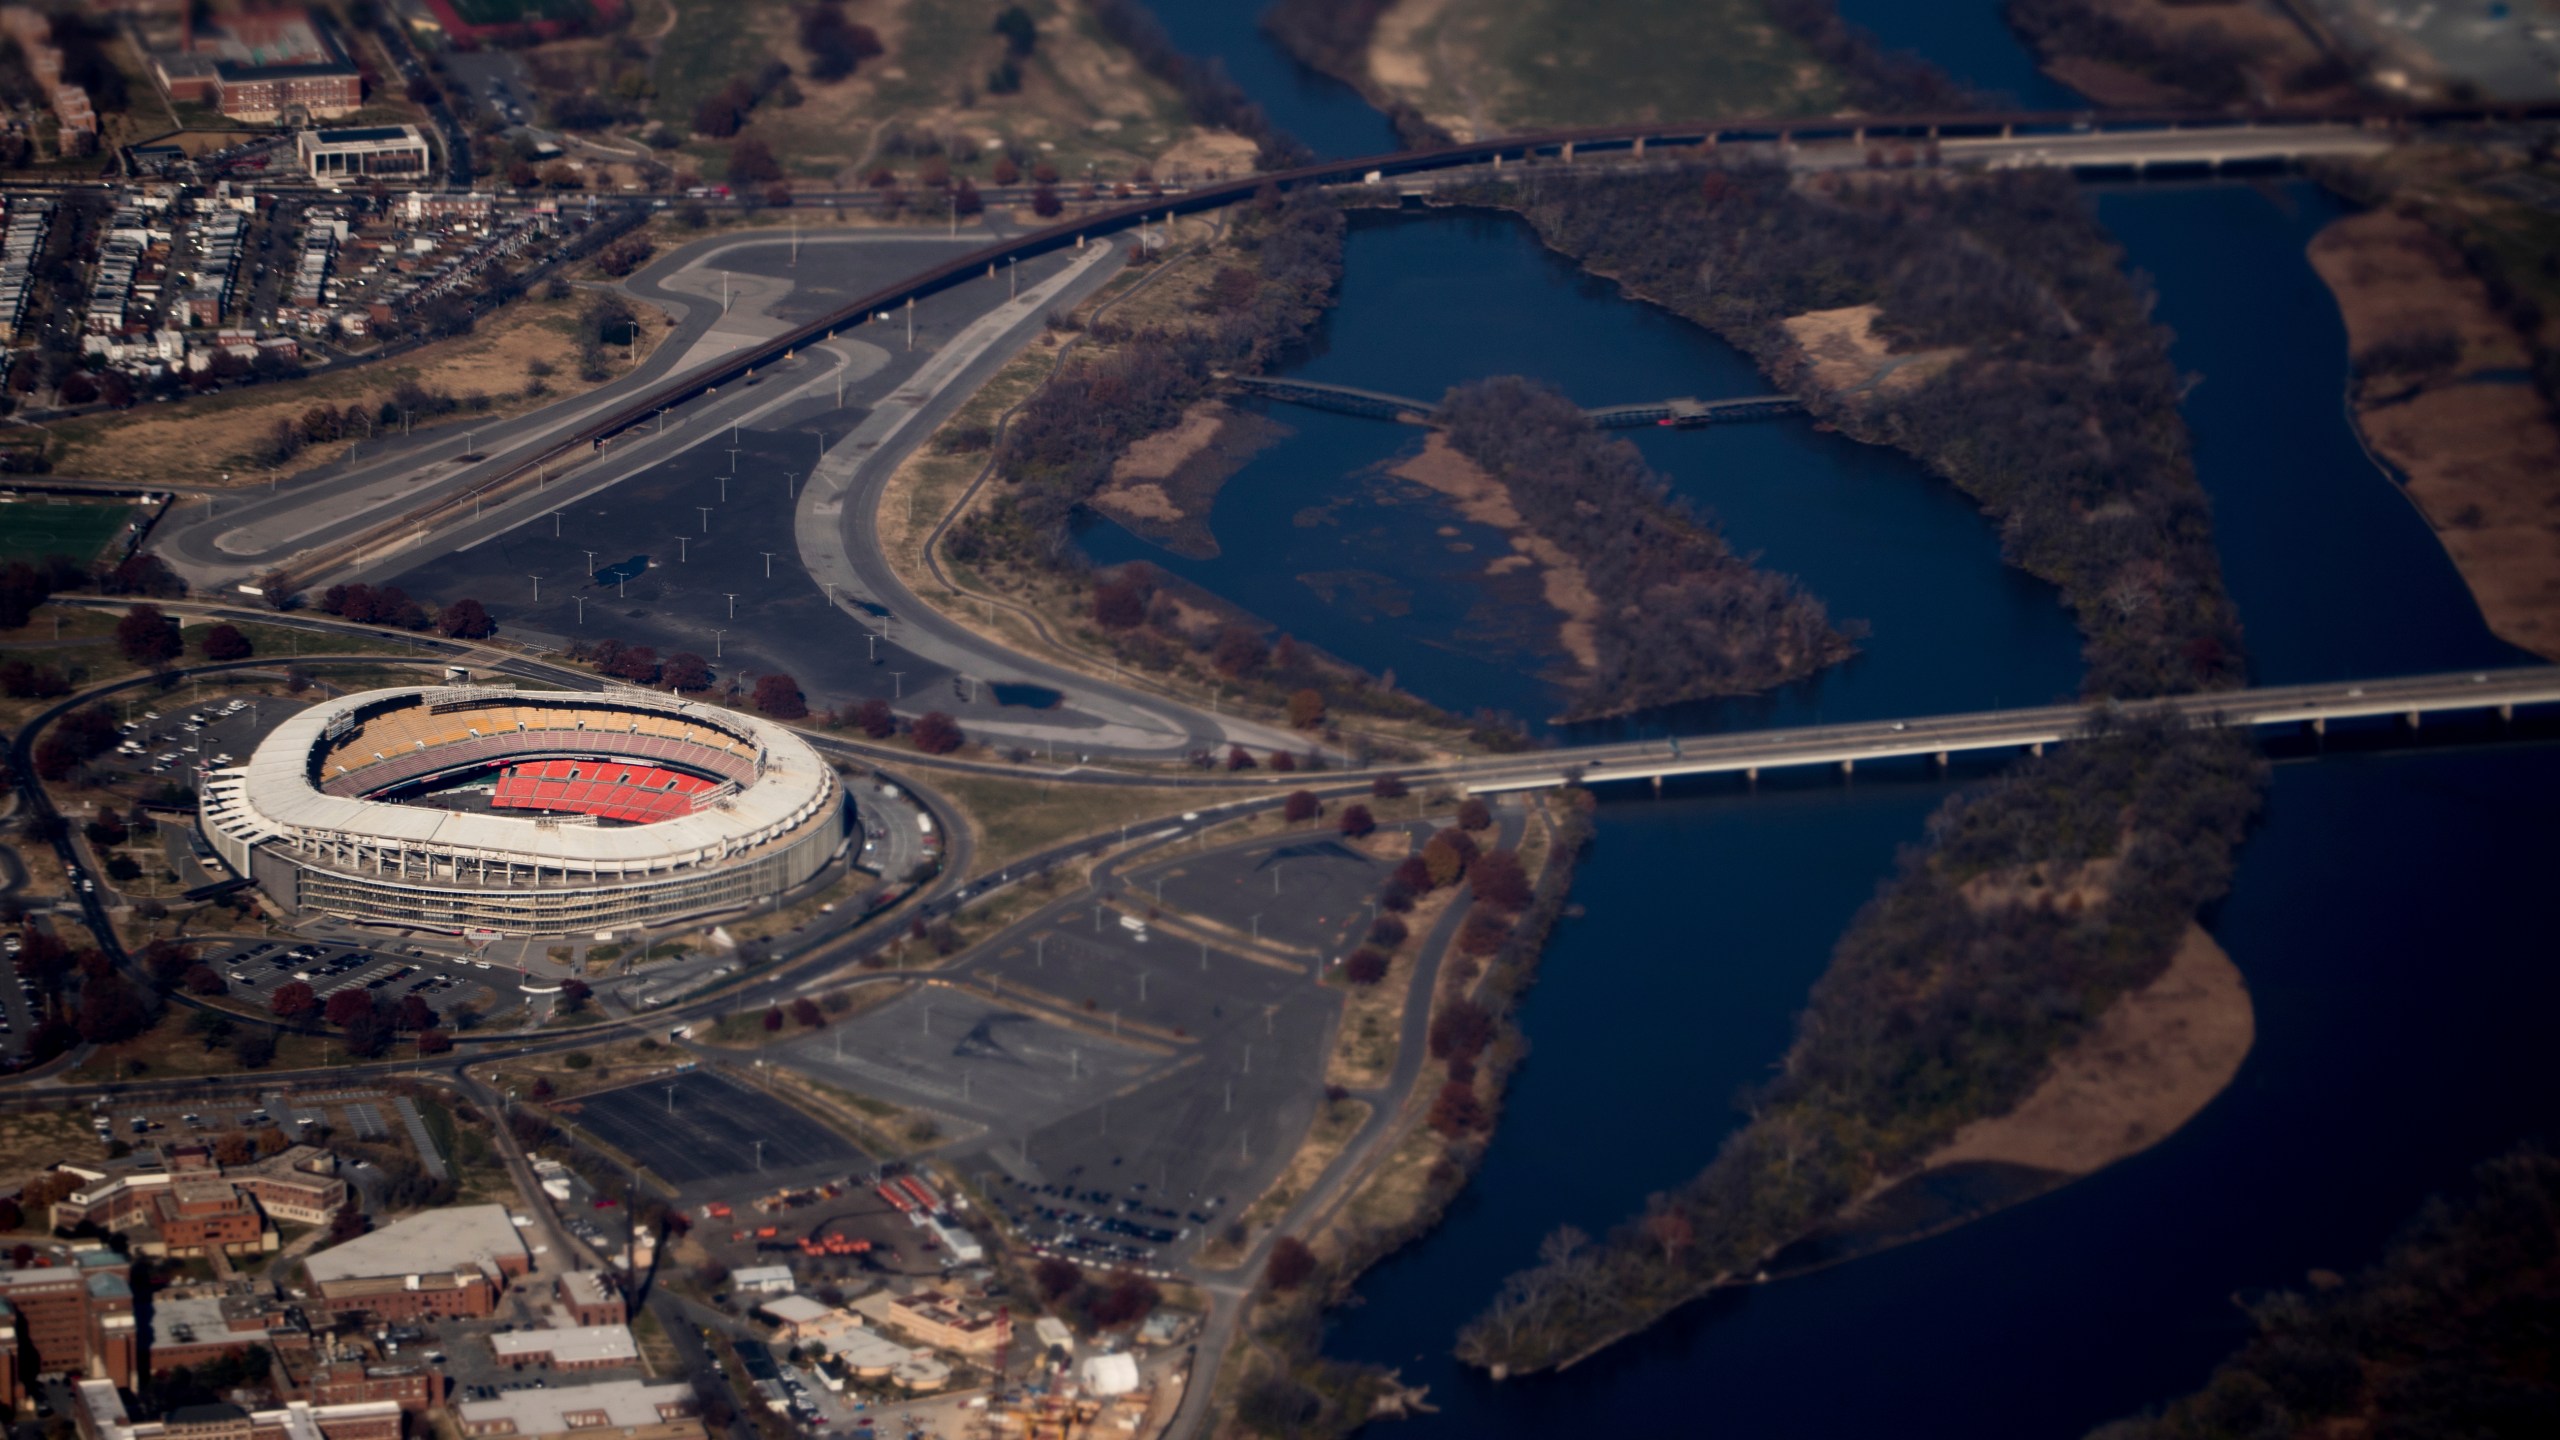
(1942, 737)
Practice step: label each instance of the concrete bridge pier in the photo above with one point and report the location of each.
(1751, 776)
(1942, 762)
(1657, 787)
(1639, 148)
(2506, 714)
(1848, 768)
(1566, 154)
(2413, 719)
(2036, 749)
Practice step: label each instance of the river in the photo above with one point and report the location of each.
(2384, 912)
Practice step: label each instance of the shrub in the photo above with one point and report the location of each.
(1291, 1263)
(1365, 967)
(1302, 805)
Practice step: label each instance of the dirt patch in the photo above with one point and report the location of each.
(1162, 487)
(2394, 277)
(2483, 463)
(1847, 356)
(1485, 500)
(2477, 451)
(2155, 1059)
(1158, 456)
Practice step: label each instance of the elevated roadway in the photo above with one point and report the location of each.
(1943, 737)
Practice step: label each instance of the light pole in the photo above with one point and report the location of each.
(715, 643)
(875, 646)
(1257, 928)
(899, 677)
(706, 518)
(582, 608)
(733, 605)
(790, 478)
(681, 556)
(724, 485)
(537, 588)
(555, 524)
(768, 563)
(591, 563)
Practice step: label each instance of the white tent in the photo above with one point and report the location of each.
(1110, 1374)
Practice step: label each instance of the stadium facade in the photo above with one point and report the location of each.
(455, 808)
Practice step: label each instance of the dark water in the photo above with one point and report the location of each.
(1968, 40)
(2399, 996)
(2334, 572)
(1323, 112)
(1316, 542)
(2385, 913)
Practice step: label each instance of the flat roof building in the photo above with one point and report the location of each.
(453, 1261)
(636, 1409)
(393, 151)
(572, 1347)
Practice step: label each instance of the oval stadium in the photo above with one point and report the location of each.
(455, 809)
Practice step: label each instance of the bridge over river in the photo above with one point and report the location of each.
(1941, 737)
(1352, 400)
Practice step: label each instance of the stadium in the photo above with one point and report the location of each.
(459, 809)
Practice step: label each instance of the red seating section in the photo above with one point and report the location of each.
(607, 789)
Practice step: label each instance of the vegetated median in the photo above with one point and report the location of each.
(1658, 609)
(2048, 896)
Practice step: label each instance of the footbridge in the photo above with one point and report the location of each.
(1352, 400)
(1942, 737)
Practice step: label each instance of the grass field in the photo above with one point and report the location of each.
(34, 526)
(1533, 64)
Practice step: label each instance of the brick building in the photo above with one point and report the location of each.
(191, 1328)
(261, 65)
(99, 1414)
(72, 1317)
(590, 1298)
(179, 1202)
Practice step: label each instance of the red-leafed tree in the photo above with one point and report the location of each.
(779, 696)
(937, 733)
(1356, 821)
(293, 1000)
(1301, 805)
(1291, 1263)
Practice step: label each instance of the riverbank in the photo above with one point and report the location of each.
(2180, 52)
(2442, 394)
(1957, 996)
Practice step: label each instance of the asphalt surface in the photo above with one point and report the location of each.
(702, 1126)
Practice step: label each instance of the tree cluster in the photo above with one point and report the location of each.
(2061, 418)
(1681, 617)
(2449, 1335)
(1937, 1009)
(1059, 449)
(366, 605)
(2205, 60)
(1213, 98)
(835, 44)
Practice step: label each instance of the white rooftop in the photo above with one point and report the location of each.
(570, 1345)
(762, 1277)
(547, 1411)
(797, 1309)
(433, 1242)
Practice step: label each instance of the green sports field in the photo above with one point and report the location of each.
(33, 526)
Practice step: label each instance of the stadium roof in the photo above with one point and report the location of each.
(455, 1238)
(279, 798)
